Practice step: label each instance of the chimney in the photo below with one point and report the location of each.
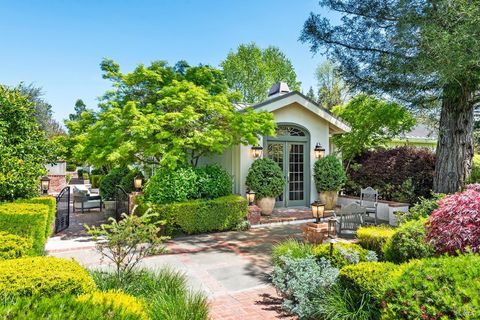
(278, 89)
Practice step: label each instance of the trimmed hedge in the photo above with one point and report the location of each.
(374, 238)
(408, 242)
(43, 276)
(435, 288)
(51, 202)
(13, 246)
(27, 220)
(199, 216)
(99, 305)
(343, 254)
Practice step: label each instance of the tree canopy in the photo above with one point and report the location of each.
(24, 148)
(165, 115)
(331, 89)
(373, 121)
(419, 52)
(252, 71)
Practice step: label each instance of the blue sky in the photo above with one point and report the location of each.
(58, 45)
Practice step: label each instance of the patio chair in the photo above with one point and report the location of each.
(83, 200)
(369, 200)
(350, 217)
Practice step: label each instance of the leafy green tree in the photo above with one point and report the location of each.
(373, 123)
(79, 108)
(311, 94)
(420, 52)
(24, 148)
(156, 115)
(331, 88)
(43, 110)
(252, 71)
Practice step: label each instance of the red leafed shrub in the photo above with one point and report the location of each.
(455, 225)
(401, 174)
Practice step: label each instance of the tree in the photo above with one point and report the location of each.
(24, 149)
(331, 89)
(43, 110)
(420, 52)
(373, 123)
(79, 108)
(311, 94)
(156, 115)
(252, 71)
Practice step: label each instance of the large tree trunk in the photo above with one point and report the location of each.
(455, 143)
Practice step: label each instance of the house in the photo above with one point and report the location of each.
(301, 125)
(421, 136)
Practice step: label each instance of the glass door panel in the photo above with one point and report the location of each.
(276, 152)
(296, 174)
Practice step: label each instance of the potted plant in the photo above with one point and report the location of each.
(265, 178)
(329, 178)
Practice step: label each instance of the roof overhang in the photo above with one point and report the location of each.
(279, 102)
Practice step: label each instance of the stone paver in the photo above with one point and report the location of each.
(231, 267)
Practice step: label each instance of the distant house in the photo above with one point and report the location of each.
(301, 125)
(420, 136)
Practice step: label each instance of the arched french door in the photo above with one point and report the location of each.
(289, 148)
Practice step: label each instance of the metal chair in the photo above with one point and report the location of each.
(351, 217)
(369, 200)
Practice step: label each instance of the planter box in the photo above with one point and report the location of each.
(386, 209)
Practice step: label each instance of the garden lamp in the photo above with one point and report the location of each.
(250, 197)
(331, 241)
(45, 184)
(137, 182)
(332, 228)
(318, 210)
(257, 151)
(319, 151)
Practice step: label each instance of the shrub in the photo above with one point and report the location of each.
(291, 248)
(43, 276)
(341, 304)
(329, 174)
(475, 175)
(128, 241)
(455, 225)
(51, 202)
(374, 238)
(110, 181)
(71, 167)
(26, 220)
(96, 180)
(168, 186)
(265, 178)
(198, 216)
(408, 242)
(422, 209)
(99, 305)
(388, 170)
(303, 283)
(344, 254)
(12, 246)
(166, 293)
(435, 288)
(213, 182)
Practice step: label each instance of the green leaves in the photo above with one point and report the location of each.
(329, 174)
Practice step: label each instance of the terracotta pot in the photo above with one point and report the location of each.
(266, 205)
(329, 198)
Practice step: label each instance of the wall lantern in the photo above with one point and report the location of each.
(137, 182)
(319, 151)
(44, 184)
(250, 197)
(318, 210)
(257, 151)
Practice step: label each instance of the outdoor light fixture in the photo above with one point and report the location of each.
(331, 241)
(250, 197)
(319, 151)
(332, 227)
(45, 184)
(318, 210)
(257, 151)
(137, 182)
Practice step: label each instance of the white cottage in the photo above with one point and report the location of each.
(301, 124)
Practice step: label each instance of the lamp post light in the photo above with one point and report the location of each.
(331, 241)
(332, 228)
(250, 197)
(319, 151)
(137, 182)
(44, 184)
(257, 151)
(318, 210)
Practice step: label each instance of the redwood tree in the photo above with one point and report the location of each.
(422, 53)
